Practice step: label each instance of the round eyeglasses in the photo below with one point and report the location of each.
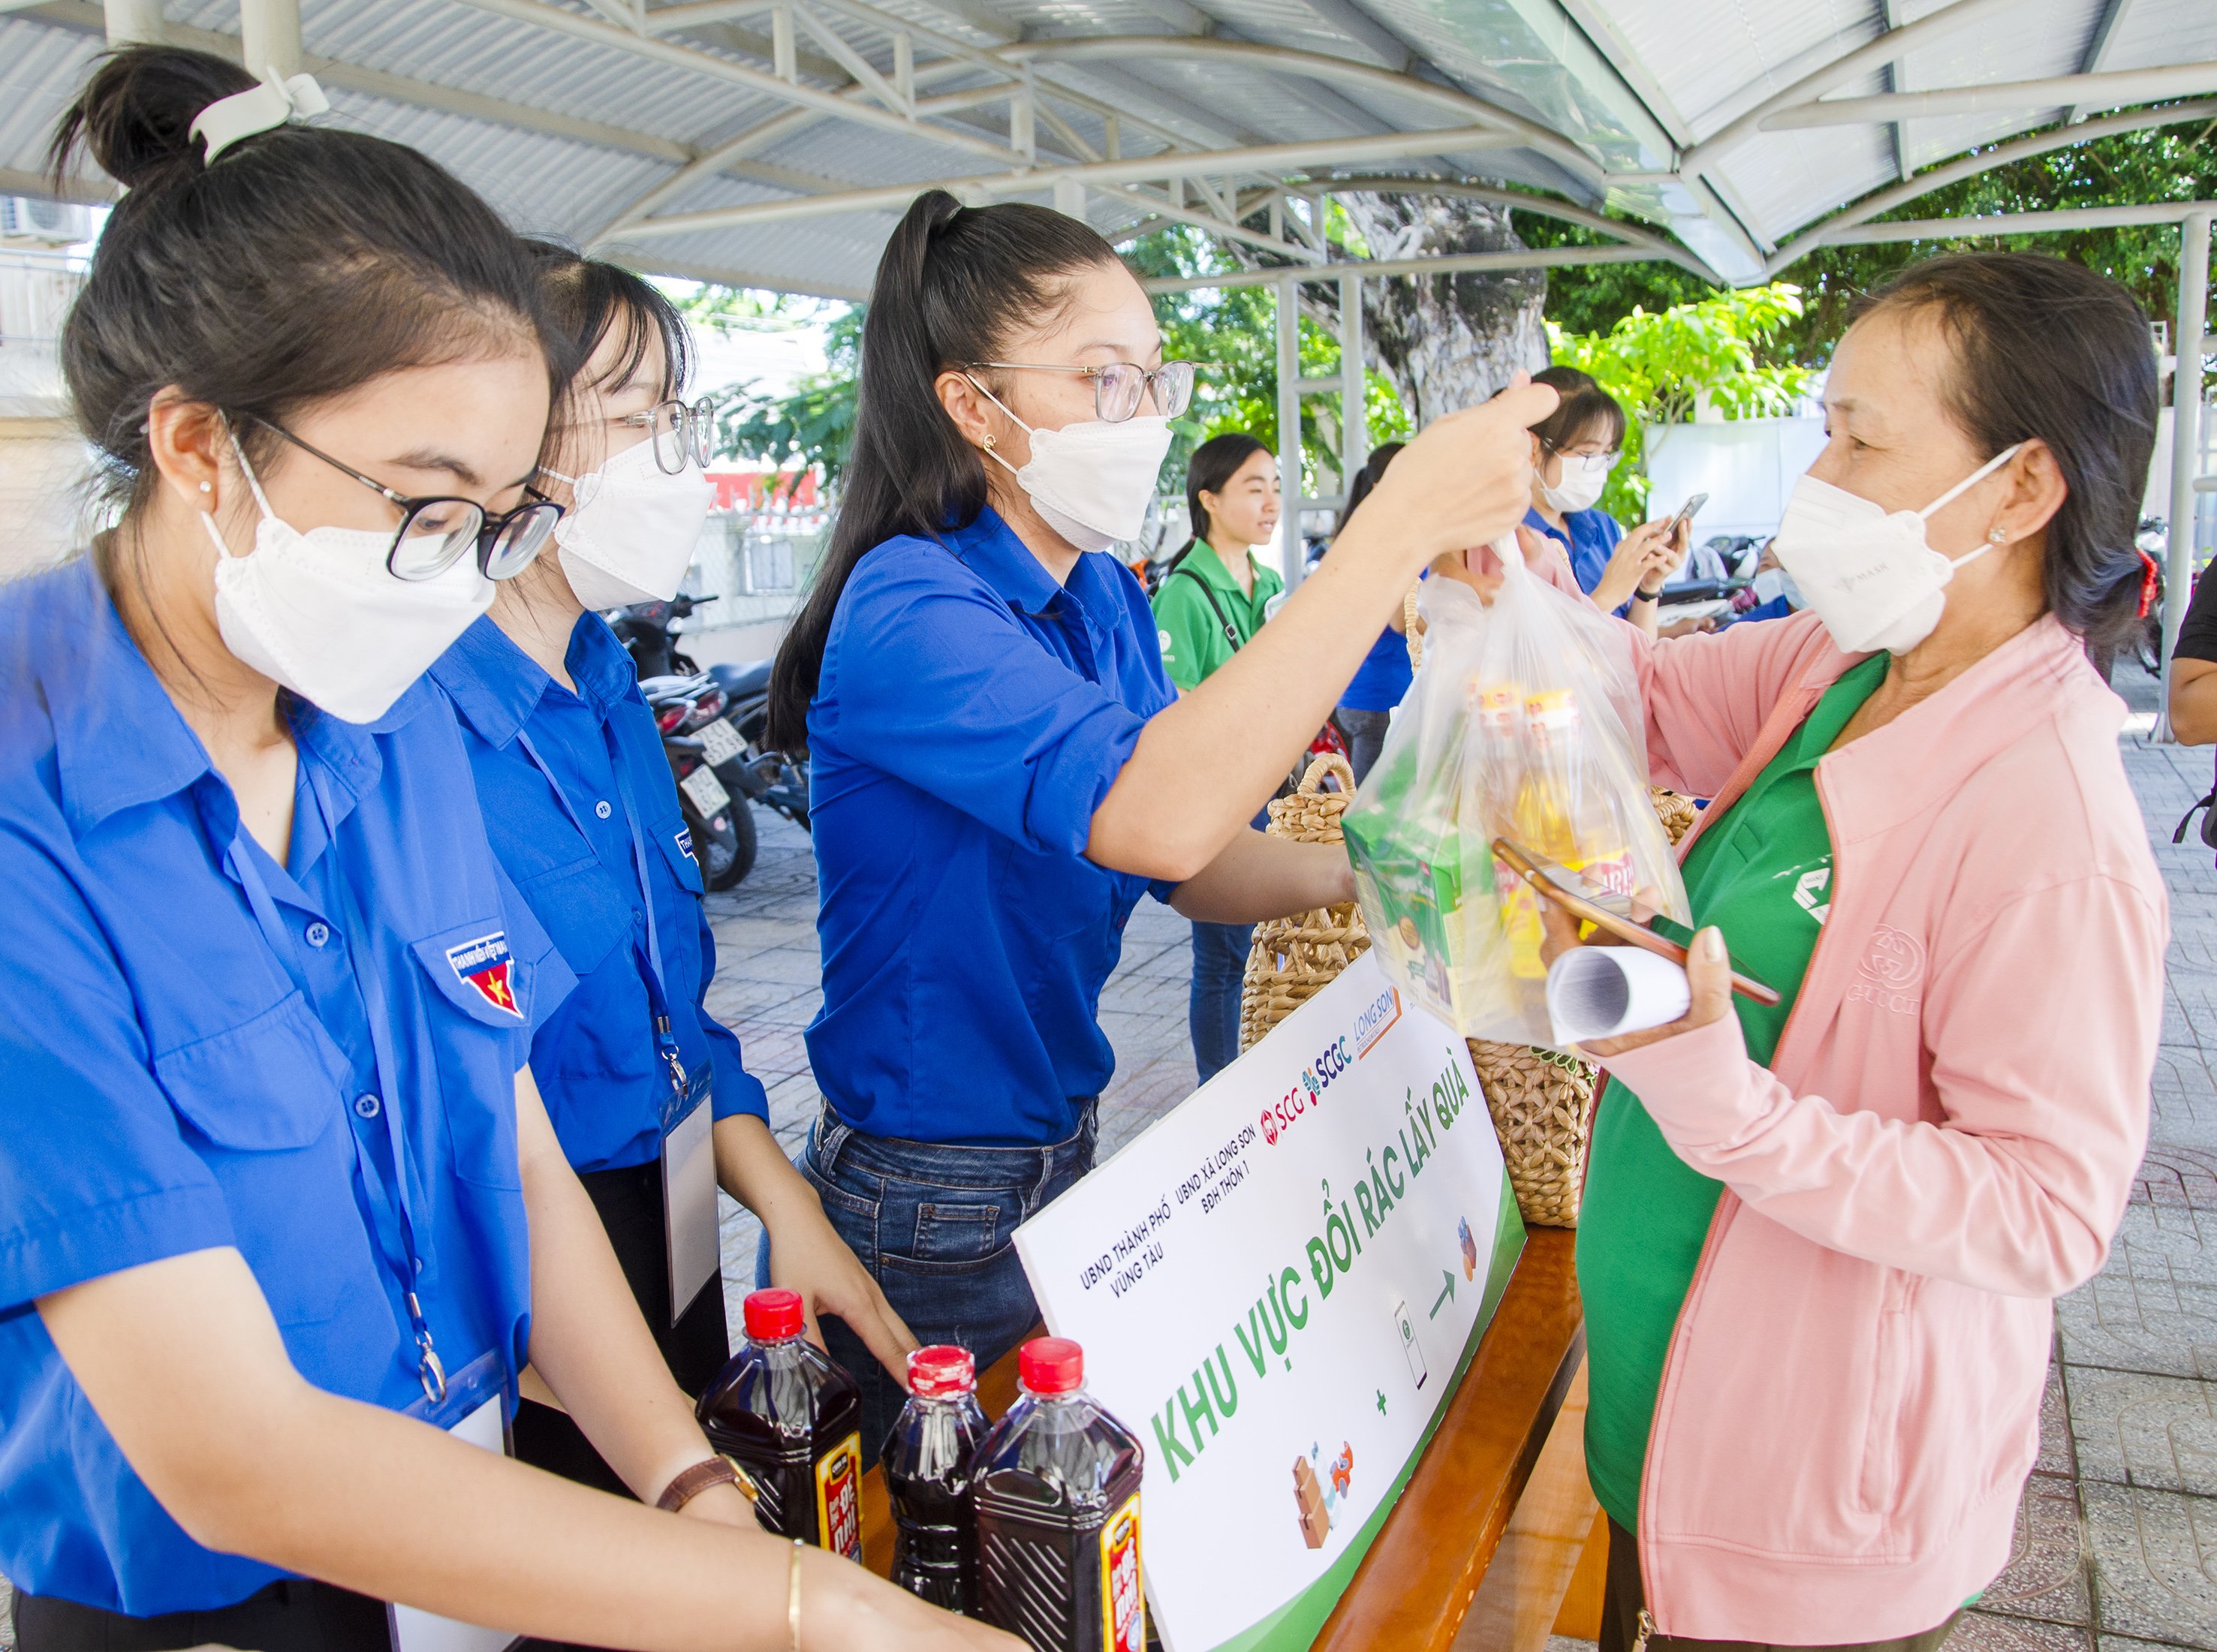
(1119, 387)
(678, 432)
(435, 534)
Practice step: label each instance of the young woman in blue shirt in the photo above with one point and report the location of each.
(281, 1216)
(1575, 448)
(582, 812)
(1001, 769)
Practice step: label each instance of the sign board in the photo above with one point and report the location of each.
(1278, 1287)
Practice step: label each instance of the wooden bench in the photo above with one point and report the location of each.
(1418, 1585)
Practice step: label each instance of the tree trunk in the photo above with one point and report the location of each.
(1447, 342)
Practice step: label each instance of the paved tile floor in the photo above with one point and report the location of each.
(2116, 1545)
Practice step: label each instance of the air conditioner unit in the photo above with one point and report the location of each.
(58, 222)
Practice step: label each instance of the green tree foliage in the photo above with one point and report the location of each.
(812, 423)
(1661, 366)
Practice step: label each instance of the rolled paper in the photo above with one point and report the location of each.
(1604, 992)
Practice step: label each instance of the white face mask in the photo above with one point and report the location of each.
(320, 613)
(1091, 482)
(629, 535)
(1869, 575)
(1583, 477)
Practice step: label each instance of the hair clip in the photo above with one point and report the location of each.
(258, 109)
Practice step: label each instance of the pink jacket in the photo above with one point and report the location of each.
(1944, 1142)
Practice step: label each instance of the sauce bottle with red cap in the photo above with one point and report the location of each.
(927, 1462)
(1056, 1488)
(793, 1419)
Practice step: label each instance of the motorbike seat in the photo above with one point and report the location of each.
(739, 681)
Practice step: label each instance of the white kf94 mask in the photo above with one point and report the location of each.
(629, 536)
(1583, 477)
(320, 613)
(1091, 482)
(1868, 573)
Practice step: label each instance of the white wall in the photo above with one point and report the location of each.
(1746, 466)
(44, 467)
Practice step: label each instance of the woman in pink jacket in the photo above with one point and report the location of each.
(1821, 1243)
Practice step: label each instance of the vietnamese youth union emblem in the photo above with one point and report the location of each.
(484, 963)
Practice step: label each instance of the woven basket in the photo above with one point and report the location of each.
(1293, 959)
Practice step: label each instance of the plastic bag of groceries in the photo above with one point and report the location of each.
(1523, 723)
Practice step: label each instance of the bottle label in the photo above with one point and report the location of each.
(1123, 1602)
(839, 1498)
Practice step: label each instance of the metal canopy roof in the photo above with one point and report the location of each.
(773, 142)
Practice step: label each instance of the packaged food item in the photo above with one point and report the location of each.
(785, 1412)
(1522, 723)
(928, 1463)
(1057, 1490)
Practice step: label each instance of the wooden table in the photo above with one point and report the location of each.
(1416, 1584)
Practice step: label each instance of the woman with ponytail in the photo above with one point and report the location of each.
(282, 1218)
(1002, 767)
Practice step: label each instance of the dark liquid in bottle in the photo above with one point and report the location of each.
(927, 1461)
(793, 1419)
(1056, 1493)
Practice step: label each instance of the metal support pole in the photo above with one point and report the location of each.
(269, 32)
(134, 22)
(1291, 551)
(1353, 402)
(2187, 339)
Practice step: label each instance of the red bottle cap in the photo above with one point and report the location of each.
(1051, 1365)
(773, 1315)
(942, 1369)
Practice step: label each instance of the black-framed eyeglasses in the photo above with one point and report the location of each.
(678, 432)
(434, 533)
(1119, 386)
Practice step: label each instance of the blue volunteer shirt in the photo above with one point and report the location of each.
(572, 854)
(1593, 536)
(971, 716)
(187, 1063)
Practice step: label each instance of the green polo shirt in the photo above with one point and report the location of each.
(1764, 875)
(1191, 634)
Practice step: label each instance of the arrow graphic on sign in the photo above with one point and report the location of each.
(1447, 1293)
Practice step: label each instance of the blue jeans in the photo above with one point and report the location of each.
(1219, 966)
(935, 1225)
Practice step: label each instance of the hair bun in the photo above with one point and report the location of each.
(135, 116)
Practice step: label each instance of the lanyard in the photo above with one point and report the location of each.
(658, 988)
(409, 1267)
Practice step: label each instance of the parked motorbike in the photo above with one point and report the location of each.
(649, 631)
(689, 711)
(745, 764)
(751, 768)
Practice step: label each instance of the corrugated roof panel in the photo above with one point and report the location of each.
(1699, 63)
(41, 70)
(1781, 180)
(512, 168)
(2157, 32)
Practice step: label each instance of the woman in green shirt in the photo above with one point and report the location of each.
(1216, 596)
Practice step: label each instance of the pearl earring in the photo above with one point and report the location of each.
(205, 488)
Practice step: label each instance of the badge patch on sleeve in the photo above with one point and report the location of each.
(685, 845)
(484, 963)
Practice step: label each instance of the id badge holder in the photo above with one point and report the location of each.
(471, 1411)
(688, 1203)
